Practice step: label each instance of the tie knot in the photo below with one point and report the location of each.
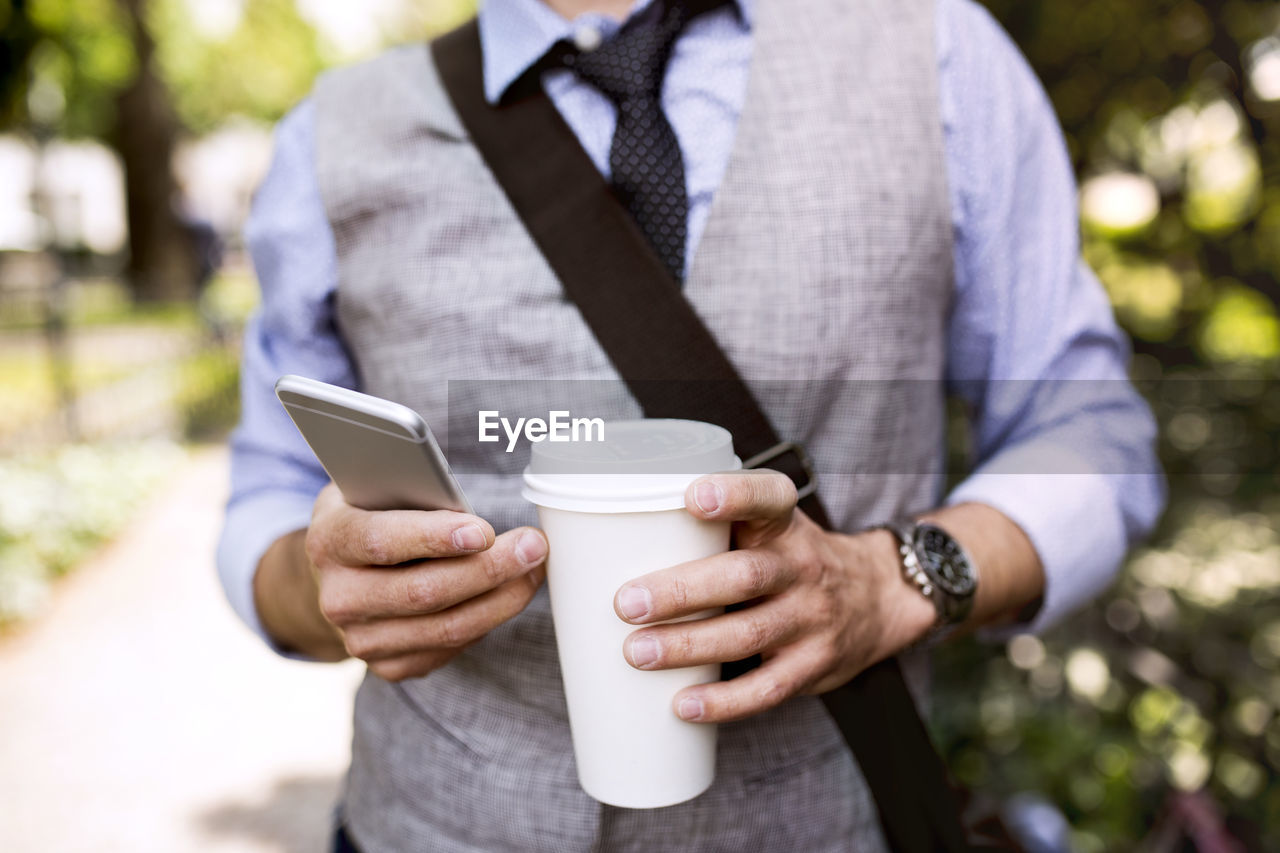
(631, 65)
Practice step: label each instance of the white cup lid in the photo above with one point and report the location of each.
(640, 466)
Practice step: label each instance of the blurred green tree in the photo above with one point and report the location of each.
(137, 74)
(264, 66)
(1184, 97)
(145, 133)
(1171, 110)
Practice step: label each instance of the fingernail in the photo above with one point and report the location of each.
(644, 651)
(635, 602)
(531, 549)
(690, 708)
(708, 496)
(469, 537)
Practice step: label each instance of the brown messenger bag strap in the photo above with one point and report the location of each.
(631, 304)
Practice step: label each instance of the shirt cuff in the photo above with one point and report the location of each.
(1072, 516)
(253, 524)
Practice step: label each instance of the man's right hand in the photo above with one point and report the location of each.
(404, 590)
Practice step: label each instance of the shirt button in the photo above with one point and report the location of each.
(587, 38)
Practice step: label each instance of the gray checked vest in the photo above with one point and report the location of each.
(825, 273)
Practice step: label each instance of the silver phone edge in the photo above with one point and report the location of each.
(312, 391)
(392, 413)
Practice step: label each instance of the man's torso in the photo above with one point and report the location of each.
(825, 255)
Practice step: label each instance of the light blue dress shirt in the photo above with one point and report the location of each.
(1025, 307)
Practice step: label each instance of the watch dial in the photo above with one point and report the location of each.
(945, 562)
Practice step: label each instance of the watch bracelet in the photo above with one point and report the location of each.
(914, 573)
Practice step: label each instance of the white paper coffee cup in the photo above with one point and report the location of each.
(613, 511)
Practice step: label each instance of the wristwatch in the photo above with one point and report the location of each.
(936, 564)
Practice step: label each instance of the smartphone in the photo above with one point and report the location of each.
(380, 454)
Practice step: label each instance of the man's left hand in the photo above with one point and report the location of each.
(820, 606)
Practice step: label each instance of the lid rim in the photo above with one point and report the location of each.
(649, 466)
(653, 446)
(606, 488)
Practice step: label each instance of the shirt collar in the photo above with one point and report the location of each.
(514, 34)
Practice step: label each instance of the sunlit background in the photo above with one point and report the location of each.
(134, 133)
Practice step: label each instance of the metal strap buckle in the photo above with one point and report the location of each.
(782, 449)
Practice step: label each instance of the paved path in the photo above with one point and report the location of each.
(139, 715)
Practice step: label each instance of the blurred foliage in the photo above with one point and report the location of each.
(264, 67)
(229, 299)
(209, 394)
(116, 340)
(1171, 110)
(55, 508)
(64, 61)
(59, 504)
(1169, 682)
(28, 394)
(93, 303)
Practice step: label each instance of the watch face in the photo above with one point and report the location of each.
(944, 562)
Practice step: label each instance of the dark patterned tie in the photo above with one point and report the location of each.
(645, 160)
